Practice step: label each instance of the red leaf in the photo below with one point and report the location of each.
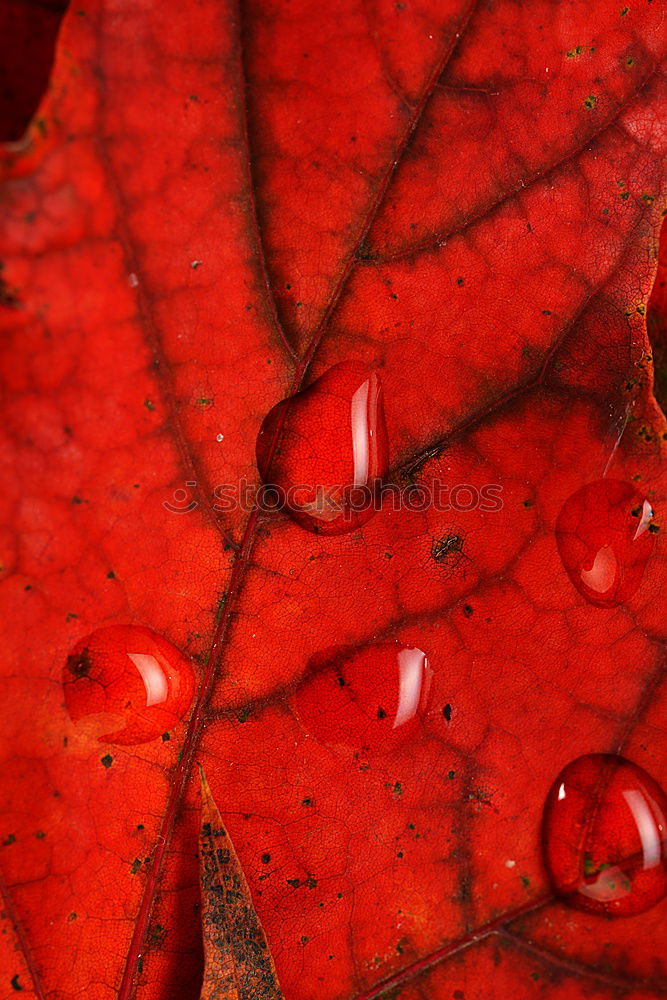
(218, 207)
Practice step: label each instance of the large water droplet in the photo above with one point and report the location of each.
(604, 836)
(604, 538)
(129, 683)
(325, 449)
(370, 698)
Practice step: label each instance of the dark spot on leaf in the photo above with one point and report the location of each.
(107, 760)
(8, 296)
(448, 551)
(79, 664)
(157, 935)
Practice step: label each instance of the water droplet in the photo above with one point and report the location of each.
(128, 683)
(604, 832)
(325, 450)
(370, 698)
(604, 540)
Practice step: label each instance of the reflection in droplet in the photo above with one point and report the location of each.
(600, 577)
(153, 676)
(604, 836)
(128, 683)
(370, 698)
(413, 674)
(325, 450)
(604, 536)
(645, 520)
(362, 433)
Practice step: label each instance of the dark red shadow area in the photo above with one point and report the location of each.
(656, 322)
(28, 30)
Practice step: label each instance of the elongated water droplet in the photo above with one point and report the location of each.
(325, 450)
(371, 698)
(604, 536)
(129, 683)
(604, 834)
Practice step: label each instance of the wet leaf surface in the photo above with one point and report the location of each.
(214, 207)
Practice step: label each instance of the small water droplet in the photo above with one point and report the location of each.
(326, 450)
(604, 540)
(370, 698)
(129, 683)
(219, 438)
(604, 832)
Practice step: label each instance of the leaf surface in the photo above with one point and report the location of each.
(219, 206)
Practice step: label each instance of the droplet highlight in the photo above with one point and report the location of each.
(604, 833)
(605, 536)
(324, 451)
(128, 683)
(372, 698)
